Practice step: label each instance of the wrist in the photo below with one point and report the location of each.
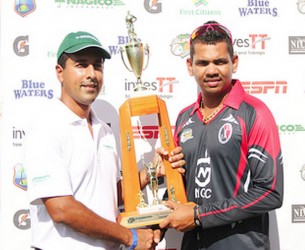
(197, 220)
(134, 239)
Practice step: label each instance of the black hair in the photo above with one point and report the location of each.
(213, 36)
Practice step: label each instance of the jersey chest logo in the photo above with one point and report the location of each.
(225, 133)
(186, 135)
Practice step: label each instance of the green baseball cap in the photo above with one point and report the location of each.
(76, 41)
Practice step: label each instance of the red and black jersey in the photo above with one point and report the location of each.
(234, 171)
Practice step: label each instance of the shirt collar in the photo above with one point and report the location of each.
(235, 96)
(70, 117)
(233, 99)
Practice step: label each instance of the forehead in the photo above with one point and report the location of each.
(88, 54)
(214, 50)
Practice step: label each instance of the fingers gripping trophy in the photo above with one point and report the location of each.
(137, 212)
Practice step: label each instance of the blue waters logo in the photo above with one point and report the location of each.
(258, 7)
(31, 88)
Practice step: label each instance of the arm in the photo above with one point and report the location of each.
(67, 210)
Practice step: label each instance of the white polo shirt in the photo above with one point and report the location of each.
(62, 159)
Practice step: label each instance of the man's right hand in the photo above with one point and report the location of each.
(148, 238)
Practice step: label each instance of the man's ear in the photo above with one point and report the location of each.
(59, 72)
(189, 64)
(235, 63)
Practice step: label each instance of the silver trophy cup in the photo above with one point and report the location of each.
(135, 52)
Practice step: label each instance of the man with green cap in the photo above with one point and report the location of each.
(73, 164)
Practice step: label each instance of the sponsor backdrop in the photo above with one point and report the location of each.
(269, 38)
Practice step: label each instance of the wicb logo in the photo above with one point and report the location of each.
(20, 178)
(24, 7)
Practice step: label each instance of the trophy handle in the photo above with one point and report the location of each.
(122, 52)
(146, 52)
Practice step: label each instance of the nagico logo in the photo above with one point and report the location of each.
(296, 45)
(265, 87)
(180, 45)
(290, 128)
(82, 3)
(153, 6)
(301, 6)
(21, 46)
(20, 177)
(258, 7)
(24, 7)
(22, 219)
(30, 88)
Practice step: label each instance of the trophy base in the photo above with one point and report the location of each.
(135, 220)
(152, 209)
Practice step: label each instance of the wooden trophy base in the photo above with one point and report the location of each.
(137, 219)
(138, 106)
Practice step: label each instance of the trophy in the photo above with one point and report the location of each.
(135, 52)
(137, 212)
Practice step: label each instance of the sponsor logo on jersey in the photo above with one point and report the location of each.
(230, 119)
(257, 154)
(189, 121)
(203, 177)
(186, 135)
(225, 133)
